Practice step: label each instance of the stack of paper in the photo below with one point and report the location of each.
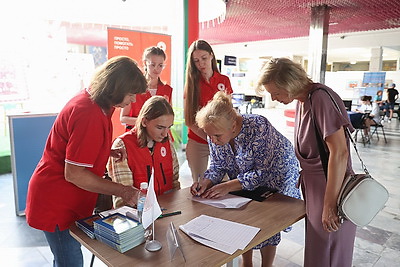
(125, 210)
(228, 201)
(220, 234)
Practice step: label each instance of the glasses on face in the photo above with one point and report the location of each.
(153, 65)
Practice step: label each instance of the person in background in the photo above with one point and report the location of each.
(252, 153)
(371, 109)
(202, 81)
(328, 241)
(148, 147)
(379, 100)
(65, 184)
(392, 95)
(153, 64)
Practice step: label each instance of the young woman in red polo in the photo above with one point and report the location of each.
(153, 64)
(203, 80)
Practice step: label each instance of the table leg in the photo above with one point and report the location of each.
(233, 263)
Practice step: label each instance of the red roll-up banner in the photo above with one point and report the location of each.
(131, 43)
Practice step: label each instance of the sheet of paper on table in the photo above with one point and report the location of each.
(125, 210)
(223, 235)
(228, 201)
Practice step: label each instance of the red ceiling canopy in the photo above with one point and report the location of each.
(256, 20)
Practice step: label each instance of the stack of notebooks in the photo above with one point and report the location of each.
(86, 225)
(116, 230)
(119, 232)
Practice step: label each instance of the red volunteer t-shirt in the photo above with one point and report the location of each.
(218, 82)
(81, 135)
(162, 90)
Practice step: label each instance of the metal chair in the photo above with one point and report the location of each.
(358, 122)
(375, 131)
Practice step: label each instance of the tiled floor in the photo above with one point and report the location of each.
(377, 244)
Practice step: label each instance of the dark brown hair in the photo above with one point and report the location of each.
(115, 79)
(366, 98)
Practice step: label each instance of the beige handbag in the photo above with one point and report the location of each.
(361, 197)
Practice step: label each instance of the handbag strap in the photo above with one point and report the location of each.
(324, 155)
(323, 151)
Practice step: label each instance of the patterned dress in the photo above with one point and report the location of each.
(263, 157)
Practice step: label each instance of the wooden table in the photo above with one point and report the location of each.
(272, 215)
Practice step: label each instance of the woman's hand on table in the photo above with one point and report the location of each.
(222, 189)
(198, 188)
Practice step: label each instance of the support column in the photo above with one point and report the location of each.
(375, 63)
(191, 21)
(191, 24)
(398, 64)
(318, 43)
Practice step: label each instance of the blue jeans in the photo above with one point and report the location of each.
(66, 250)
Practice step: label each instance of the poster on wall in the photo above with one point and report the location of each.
(131, 43)
(373, 81)
(351, 84)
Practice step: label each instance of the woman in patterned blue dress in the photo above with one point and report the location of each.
(252, 153)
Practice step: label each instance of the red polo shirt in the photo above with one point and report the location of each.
(162, 90)
(81, 135)
(218, 82)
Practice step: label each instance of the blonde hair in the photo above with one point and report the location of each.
(217, 112)
(286, 75)
(192, 79)
(154, 107)
(115, 79)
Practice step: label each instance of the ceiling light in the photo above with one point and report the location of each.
(211, 12)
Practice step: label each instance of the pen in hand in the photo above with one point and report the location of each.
(198, 185)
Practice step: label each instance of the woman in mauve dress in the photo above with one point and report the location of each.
(328, 241)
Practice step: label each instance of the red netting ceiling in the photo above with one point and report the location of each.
(256, 20)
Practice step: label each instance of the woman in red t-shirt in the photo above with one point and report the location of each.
(154, 63)
(202, 81)
(68, 178)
